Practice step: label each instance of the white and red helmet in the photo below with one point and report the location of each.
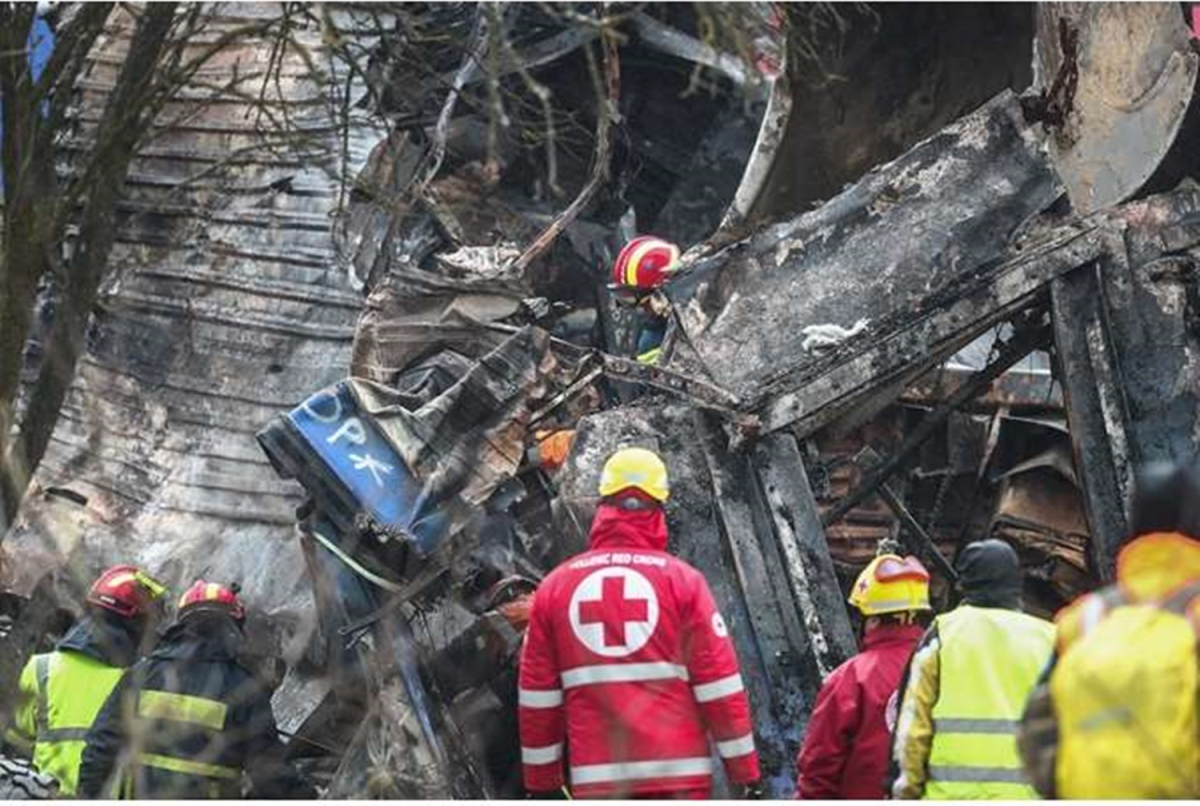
(645, 263)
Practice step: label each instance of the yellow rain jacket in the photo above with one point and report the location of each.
(960, 702)
(1118, 715)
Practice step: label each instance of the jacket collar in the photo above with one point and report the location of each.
(200, 637)
(887, 634)
(614, 527)
(109, 639)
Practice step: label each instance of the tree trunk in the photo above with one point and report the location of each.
(116, 141)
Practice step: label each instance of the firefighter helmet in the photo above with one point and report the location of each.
(636, 469)
(206, 596)
(891, 584)
(645, 263)
(125, 590)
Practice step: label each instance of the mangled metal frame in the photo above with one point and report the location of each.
(748, 518)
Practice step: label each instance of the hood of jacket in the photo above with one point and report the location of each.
(882, 635)
(989, 575)
(200, 637)
(616, 527)
(105, 637)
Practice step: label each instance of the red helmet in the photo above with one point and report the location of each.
(211, 596)
(126, 590)
(645, 263)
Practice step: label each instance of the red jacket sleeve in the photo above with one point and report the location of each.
(718, 688)
(822, 759)
(540, 710)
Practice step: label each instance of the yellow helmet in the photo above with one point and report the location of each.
(635, 468)
(891, 584)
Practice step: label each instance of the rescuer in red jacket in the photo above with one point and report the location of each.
(628, 663)
(846, 745)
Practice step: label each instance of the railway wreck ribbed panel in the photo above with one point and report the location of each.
(225, 304)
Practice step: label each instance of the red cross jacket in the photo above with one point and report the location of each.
(846, 744)
(629, 662)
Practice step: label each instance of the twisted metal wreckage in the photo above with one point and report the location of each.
(790, 348)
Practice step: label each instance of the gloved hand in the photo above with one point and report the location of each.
(750, 791)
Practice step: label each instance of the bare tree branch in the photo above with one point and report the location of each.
(606, 119)
(437, 153)
(116, 141)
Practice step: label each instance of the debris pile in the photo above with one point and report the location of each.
(954, 345)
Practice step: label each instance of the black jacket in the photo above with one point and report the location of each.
(105, 637)
(223, 724)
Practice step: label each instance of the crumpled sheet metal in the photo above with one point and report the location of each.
(413, 314)
(471, 438)
(865, 261)
(225, 306)
(1039, 510)
(401, 483)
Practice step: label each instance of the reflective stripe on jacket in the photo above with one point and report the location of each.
(60, 694)
(629, 670)
(961, 700)
(191, 719)
(184, 740)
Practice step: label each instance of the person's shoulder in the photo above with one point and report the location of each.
(682, 567)
(847, 670)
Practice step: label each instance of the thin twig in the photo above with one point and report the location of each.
(607, 117)
(437, 152)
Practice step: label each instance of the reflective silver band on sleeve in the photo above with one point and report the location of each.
(542, 755)
(734, 748)
(533, 698)
(707, 692)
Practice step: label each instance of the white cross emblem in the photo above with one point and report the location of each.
(614, 611)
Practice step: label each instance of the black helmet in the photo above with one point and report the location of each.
(1166, 498)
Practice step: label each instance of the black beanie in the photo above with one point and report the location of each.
(989, 574)
(1166, 498)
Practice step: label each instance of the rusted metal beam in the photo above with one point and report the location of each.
(1020, 346)
(924, 541)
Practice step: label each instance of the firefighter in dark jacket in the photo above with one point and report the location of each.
(190, 719)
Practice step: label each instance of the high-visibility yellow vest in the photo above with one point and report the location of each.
(70, 689)
(989, 661)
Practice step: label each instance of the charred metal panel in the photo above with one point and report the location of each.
(1095, 411)
(747, 522)
(872, 373)
(805, 555)
(1127, 339)
(898, 246)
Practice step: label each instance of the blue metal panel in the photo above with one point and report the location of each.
(356, 453)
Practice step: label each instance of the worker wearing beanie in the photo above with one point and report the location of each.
(966, 686)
